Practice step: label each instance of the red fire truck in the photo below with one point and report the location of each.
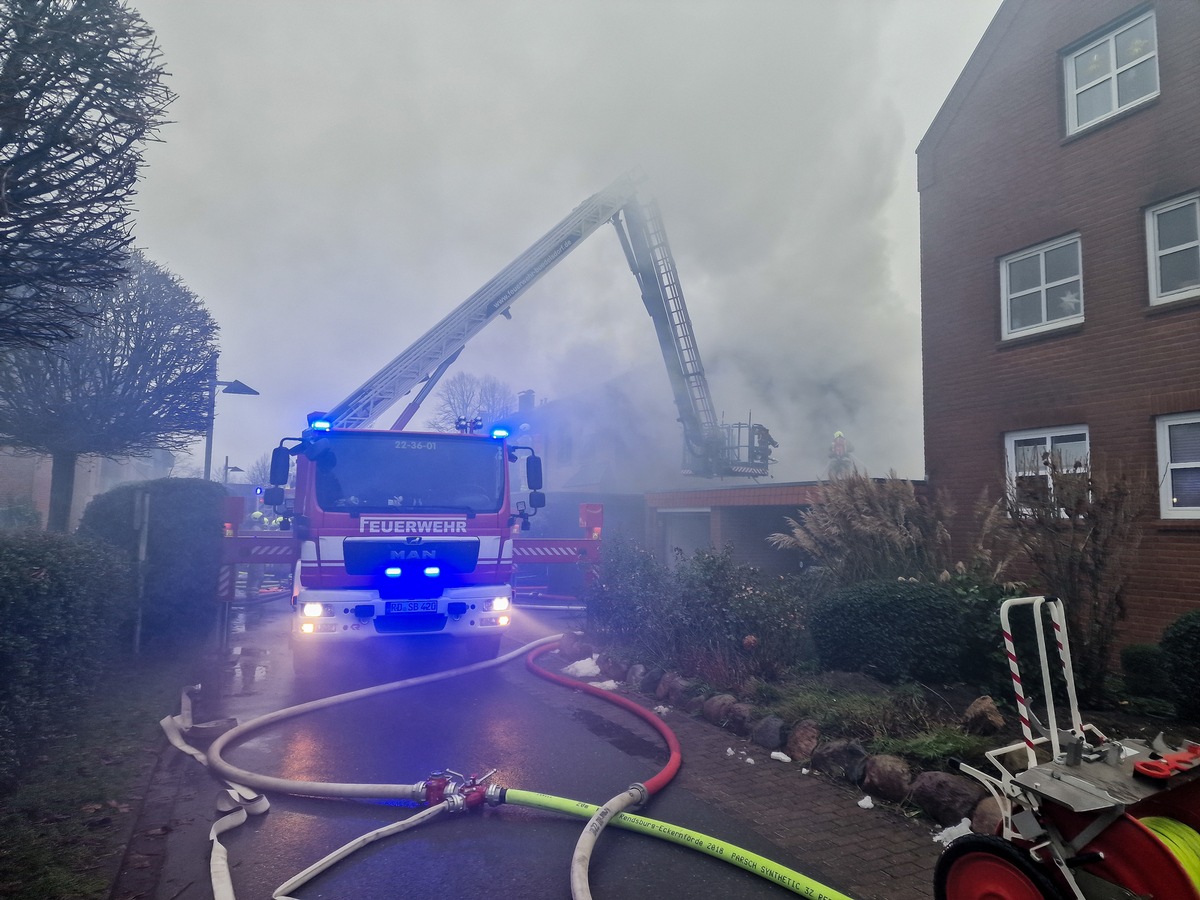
(402, 533)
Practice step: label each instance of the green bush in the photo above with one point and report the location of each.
(898, 630)
(708, 616)
(63, 600)
(1181, 649)
(183, 552)
(1145, 669)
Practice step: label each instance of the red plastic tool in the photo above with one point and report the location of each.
(1169, 763)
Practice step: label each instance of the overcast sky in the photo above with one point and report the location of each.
(338, 176)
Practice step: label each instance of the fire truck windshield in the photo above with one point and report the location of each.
(380, 473)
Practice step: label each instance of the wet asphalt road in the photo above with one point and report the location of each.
(540, 737)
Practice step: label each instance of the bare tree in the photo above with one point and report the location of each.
(135, 379)
(466, 396)
(80, 91)
(1080, 526)
(260, 470)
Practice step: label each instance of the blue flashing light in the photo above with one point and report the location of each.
(392, 571)
(318, 421)
(500, 432)
(432, 571)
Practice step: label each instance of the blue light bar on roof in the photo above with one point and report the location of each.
(318, 421)
(500, 432)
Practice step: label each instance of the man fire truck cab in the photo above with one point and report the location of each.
(401, 534)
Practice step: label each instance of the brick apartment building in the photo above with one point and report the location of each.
(1060, 267)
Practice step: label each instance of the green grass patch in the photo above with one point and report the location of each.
(934, 746)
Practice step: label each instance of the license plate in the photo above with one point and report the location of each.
(395, 607)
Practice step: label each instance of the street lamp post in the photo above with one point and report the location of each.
(227, 387)
(228, 469)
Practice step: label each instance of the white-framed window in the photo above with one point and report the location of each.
(1042, 288)
(1040, 458)
(1179, 466)
(1173, 249)
(1111, 74)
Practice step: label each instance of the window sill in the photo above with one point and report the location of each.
(1165, 306)
(1087, 130)
(1025, 339)
(1177, 524)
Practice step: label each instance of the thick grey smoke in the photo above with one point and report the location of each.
(341, 175)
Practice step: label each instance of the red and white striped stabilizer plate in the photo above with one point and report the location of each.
(555, 550)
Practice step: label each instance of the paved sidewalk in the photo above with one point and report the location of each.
(868, 854)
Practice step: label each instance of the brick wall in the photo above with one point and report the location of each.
(998, 174)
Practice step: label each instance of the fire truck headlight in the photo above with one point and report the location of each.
(432, 571)
(307, 627)
(392, 571)
(312, 610)
(502, 620)
(497, 604)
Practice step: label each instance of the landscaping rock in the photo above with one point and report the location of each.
(670, 685)
(649, 683)
(679, 689)
(987, 817)
(693, 703)
(574, 646)
(842, 759)
(634, 676)
(740, 716)
(948, 799)
(982, 717)
(716, 708)
(802, 740)
(768, 732)
(887, 777)
(613, 667)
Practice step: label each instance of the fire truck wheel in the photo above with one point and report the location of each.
(986, 867)
(480, 649)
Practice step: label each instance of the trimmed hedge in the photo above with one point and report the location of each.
(183, 553)
(899, 630)
(1181, 649)
(64, 601)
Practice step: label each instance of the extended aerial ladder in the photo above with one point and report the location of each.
(711, 448)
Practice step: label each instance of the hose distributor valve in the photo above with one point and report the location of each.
(468, 793)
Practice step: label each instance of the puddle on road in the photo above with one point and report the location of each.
(620, 737)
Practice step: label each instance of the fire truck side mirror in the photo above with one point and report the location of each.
(533, 474)
(537, 500)
(281, 462)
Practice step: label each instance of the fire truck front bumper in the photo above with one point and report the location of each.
(332, 615)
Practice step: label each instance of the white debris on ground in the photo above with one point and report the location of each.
(782, 757)
(729, 751)
(584, 668)
(749, 760)
(803, 770)
(866, 803)
(662, 710)
(609, 685)
(950, 832)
